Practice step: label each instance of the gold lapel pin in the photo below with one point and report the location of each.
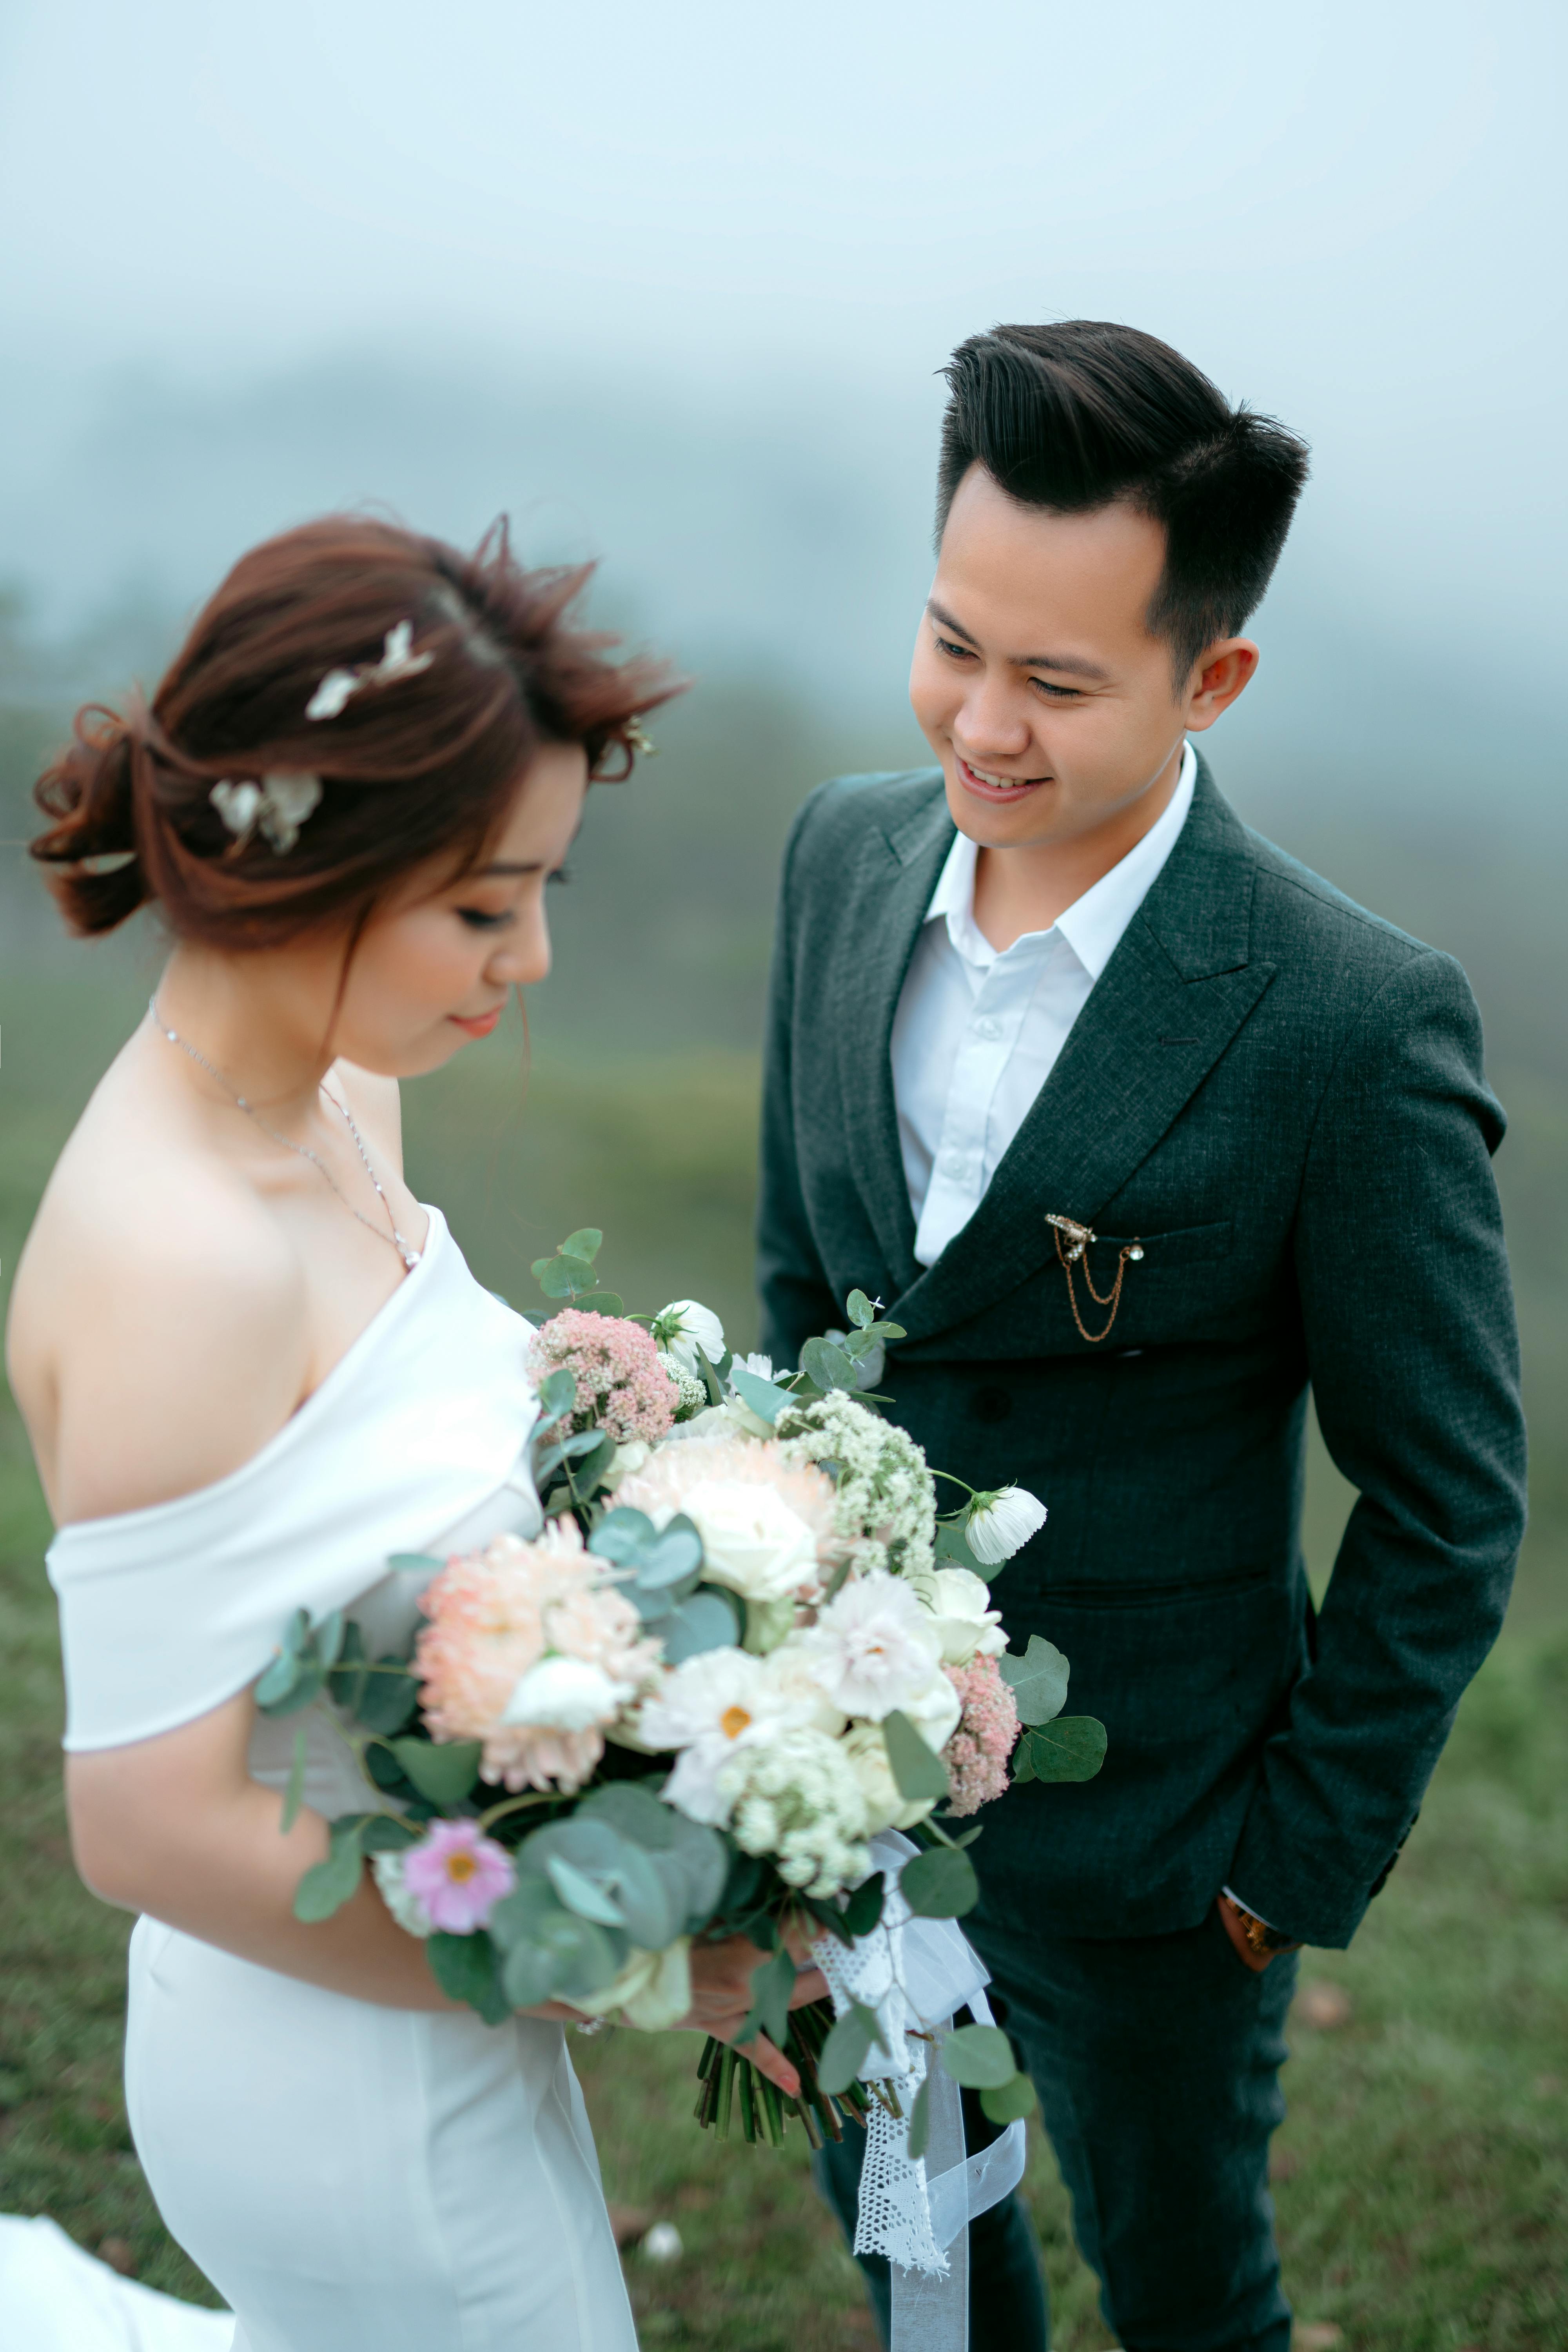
(1073, 1240)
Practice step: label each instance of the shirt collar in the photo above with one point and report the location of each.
(1092, 926)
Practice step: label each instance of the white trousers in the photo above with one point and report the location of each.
(354, 2178)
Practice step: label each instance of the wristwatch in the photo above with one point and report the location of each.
(1261, 1938)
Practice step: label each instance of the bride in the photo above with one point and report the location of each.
(254, 1367)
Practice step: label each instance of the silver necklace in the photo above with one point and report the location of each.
(404, 1248)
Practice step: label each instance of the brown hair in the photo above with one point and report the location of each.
(424, 763)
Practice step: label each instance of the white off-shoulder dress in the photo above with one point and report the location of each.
(351, 2178)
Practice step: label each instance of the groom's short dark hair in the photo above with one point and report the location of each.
(1075, 415)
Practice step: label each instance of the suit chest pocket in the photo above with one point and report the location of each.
(1185, 1245)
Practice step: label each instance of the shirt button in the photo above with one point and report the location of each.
(988, 1029)
(954, 1164)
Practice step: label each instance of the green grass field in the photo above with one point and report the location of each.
(1423, 2174)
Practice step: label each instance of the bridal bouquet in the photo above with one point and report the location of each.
(745, 1643)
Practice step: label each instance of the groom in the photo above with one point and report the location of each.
(1053, 978)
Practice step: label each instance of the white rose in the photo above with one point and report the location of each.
(653, 1991)
(566, 1695)
(629, 1459)
(966, 1625)
(934, 1711)
(865, 1752)
(789, 1673)
(751, 1540)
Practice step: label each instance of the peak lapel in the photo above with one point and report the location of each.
(1182, 970)
(890, 890)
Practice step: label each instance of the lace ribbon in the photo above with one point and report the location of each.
(916, 1974)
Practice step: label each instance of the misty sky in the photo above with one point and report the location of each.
(1350, 215)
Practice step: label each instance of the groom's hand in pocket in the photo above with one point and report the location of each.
(722, 1998)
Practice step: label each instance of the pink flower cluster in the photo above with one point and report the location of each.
(977, 1756)
(622, 1387)
(492, 1616)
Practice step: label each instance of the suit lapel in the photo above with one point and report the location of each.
(1178, 987)
(889, 894)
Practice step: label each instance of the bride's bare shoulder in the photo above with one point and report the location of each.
(158, 1334)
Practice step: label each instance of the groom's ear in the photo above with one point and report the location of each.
(1218, 676)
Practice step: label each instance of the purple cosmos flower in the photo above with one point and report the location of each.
(458, 1874)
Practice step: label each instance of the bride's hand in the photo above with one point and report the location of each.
(721, 1999)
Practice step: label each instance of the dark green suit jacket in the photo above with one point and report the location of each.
(1282, 1097)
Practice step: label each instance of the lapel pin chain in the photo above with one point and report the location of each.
(1072, 1240)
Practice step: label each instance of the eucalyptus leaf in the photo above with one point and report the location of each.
(707, 1620)
(444, 1771)
(828, 1366)
(621, 1535)
(517, 1918)
(653, 1893)
(385, 1834)
(329, 1640)
(1039, 1680)
(582, 1894)
(1008, 2102)
(771, 1985)
(587, 1842)
(468, 1968)
(557, 1395)
(830, 1916)
(918, 1770)
(952, 1543)
(599, 1302)
(529, 1973)
(766, 1400)
(277, 1682)
(919, 2121)
(595, 1464)
(588, 1957)
(585, 1243)
(978, 2056)
(859, 1309)
(389, 1697)
(408, 1563)
(1072, 1748)
(845, 2049)
(564, 1275)
(329, 1885)
(305, 1685)
(633, 1809)
(346, 1682)
(669, 1557)
(863, 1911)
(294, 1794)
(939, 1884)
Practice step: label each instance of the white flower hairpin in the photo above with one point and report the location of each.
(276, 807)
(397, 661)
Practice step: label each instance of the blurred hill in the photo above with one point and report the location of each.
(783, 565)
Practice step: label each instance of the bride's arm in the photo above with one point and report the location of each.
(176, 1827)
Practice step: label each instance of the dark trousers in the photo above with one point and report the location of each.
(1156, 2063)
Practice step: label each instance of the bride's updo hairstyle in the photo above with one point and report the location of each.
(456, 667)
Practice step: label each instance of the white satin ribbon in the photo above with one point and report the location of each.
(916, 1974)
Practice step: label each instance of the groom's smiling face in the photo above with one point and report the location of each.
(1052, 706)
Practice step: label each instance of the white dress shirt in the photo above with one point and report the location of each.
(977, 1032)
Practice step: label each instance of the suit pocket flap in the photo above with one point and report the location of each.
(1187, 1245)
